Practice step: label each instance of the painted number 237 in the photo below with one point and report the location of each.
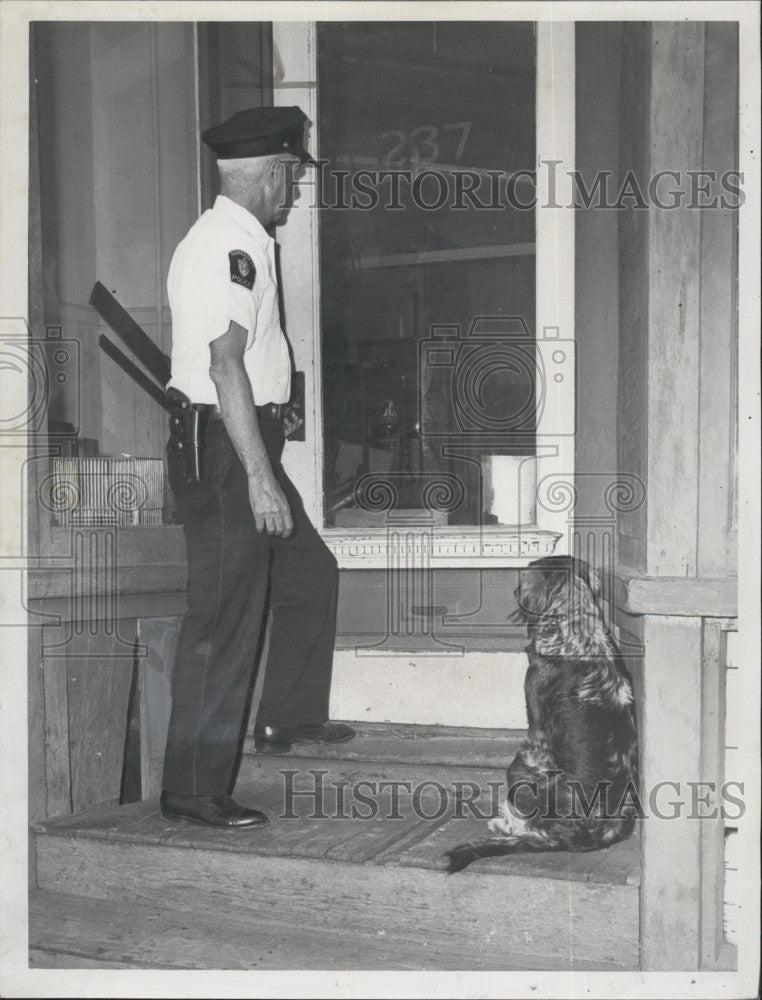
(423, 143)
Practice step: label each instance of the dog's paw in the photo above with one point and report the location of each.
(508, 824)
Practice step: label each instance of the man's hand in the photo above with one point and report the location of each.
(269, 506)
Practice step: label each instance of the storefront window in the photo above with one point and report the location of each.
(427, 267)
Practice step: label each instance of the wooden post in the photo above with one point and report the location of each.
(671, 752)
(676, 130)
(676, 307)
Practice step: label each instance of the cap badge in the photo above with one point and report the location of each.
(242, 270)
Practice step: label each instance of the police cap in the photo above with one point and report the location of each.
(259, 132)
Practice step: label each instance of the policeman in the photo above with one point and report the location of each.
(250, 543)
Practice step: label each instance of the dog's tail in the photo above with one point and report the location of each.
(462, 856)
(580, 840)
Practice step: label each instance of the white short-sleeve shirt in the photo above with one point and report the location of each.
(224, 270)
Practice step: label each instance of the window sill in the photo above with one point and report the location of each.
(421, 546)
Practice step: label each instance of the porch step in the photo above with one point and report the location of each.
(77, 932)
(373, 886)
(392, 743)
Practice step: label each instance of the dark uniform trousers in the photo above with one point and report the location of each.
(234, 574)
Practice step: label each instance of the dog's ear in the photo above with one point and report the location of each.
(531, 588)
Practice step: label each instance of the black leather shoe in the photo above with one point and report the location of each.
(270, 739)
(210, 810)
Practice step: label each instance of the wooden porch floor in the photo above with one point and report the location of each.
(122, 885)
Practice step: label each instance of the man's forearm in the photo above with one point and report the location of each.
(268, 501)
(240, 416)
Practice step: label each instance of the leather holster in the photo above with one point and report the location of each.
(186, 427)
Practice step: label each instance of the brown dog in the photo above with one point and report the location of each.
(572, 784)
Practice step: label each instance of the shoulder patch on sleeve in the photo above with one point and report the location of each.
(242, 270)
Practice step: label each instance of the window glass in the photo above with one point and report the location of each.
(427, 137)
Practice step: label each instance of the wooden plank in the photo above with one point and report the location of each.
(127, 226)
(378, 839)
(596, 923)
(98, 690)
(40, 958)
(149, 577)
(159, 604)
(259, 769)
(490, 251)
(413, 731)
(298, 828)
(151, 768)
(57, 765)
(670, 752)
(450, 687)
(137, 545)
(618, 863)
(598, 72)
(554, 263)
(71, 250)
(432, 854)
(676, 129)
(633, 230)
(302, 829)
(694, 597)
(456, 751)
(712, 769)
(613, 866)
(474, 640)
(37, 516)
(36, 769)
(116, 683)
(98, 822)
(68, 931)
(36, 742)
(719, 320)
(158, 639)
(177, 130)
